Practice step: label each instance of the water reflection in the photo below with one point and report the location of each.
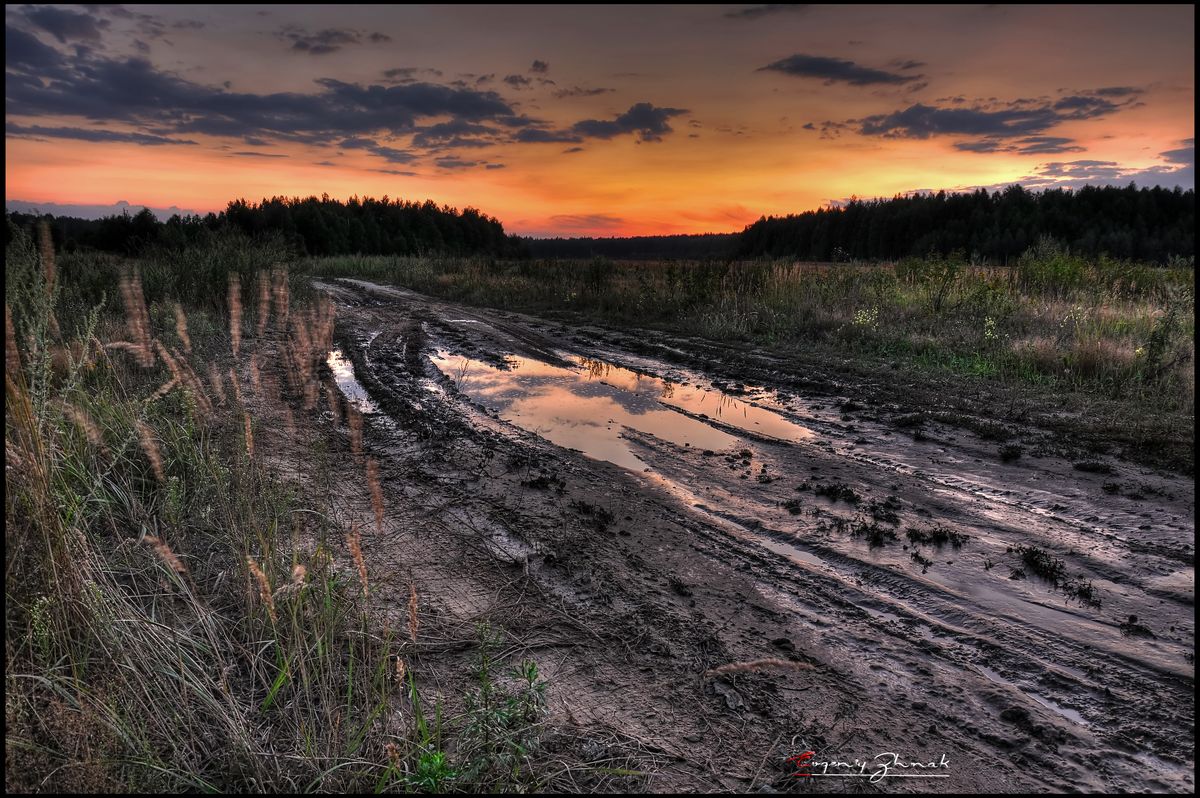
(586, 408)
(351, 388)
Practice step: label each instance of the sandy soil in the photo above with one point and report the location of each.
(839, 552)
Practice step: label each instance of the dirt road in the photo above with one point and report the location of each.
(637, 510)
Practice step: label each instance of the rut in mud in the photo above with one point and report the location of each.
(647, 513)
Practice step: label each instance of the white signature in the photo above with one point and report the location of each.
(882, 766)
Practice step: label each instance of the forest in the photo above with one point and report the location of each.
(1145, 224)
(308, 226)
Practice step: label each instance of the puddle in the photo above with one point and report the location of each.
(588, 406)
(348, 384)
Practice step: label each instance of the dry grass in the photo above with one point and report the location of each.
(145, 667)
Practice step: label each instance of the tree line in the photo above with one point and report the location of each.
(309, 225)
(1147, 224)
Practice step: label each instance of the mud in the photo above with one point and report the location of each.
(636, 511)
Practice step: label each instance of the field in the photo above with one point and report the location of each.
(1112, 341)
(460, 524)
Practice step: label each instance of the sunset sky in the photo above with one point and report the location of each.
(599, 120)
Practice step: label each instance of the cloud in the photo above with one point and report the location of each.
(456, 163)
(455, 133)
(539, 67)
(517, 81)
(1118, 91)
(81, 211)
(534, 135)
(1183, 155)
(1015, 126)
(1082, 106)
(326, 41)
(645, 120)
(389, 154)
(132, 91)
(30, 60)
(66, 25)
(129, 99)
(588, 221)
(246, 154)
(580, 91)
(835, 70)
(1076, 174)
(87, 134)
(1030, 145)
(1046, 145)
(755, 12)
(408, 74)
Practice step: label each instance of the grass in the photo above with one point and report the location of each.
(179, 616)
(1055, 323)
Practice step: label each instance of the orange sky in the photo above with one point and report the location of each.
(700, 125)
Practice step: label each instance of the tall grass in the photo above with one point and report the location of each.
(178, 617)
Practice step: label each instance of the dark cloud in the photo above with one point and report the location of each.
(835, 70)
(754, 12)
(147, 25)
(456, 163)
(1082, 106)
(389, 154)
(533, 135)
(246, 154)
(133, 92)
(87, 134)
(828, 130)
(326, 41)
(1016, 126)
(1118, 91)
(1030, 145)
(570, 150)
(645, 120)
(1046, 145)
(539, 67)
(495, 166)
(1183, 155)
(908, 64)
(455, 133)
(580, 91)
(66, 25)
(25, 54)
(517, 81)
(408, 74)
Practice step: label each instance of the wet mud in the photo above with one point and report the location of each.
(640, 512)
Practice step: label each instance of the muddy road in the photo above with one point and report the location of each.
(636, 511)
